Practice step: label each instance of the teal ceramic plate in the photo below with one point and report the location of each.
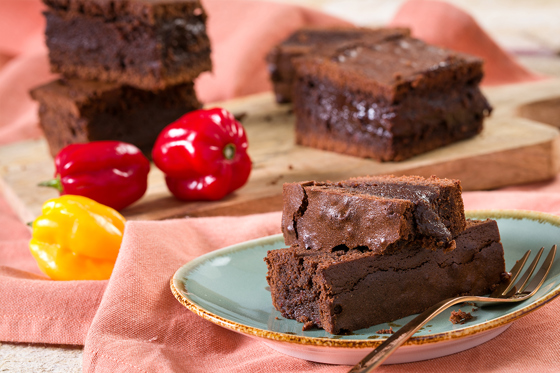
(229, 288)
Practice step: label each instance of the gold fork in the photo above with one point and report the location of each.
(507, 292)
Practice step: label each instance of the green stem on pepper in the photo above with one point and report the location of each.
(53, 183)
(229, 151)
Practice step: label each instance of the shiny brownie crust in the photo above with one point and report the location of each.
(323, 41)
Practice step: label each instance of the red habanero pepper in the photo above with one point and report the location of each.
(112, 173)
(203, 155)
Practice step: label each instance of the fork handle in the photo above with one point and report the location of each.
(384, 350)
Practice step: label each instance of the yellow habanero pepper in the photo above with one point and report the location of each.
(76, 238)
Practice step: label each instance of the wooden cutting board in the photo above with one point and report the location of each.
(510, 150)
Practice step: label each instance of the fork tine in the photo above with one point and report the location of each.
(506, 286)
(539, 278)
(524, 280)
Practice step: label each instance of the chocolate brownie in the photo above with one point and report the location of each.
(388, 101)
(318, 41)
(148, 44)
(375, 213)
(77, 111)
(342, 292)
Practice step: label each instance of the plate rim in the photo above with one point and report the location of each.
(176, 284)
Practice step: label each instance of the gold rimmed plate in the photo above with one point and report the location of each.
(229, 288)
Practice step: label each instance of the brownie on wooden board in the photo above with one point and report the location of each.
(77, 111)
(149, 44)
(388, 101)
(375, 213)
(319, 41)
(341, 292)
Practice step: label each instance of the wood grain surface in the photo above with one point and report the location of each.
(510, 150)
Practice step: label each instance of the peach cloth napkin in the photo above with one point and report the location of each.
(139, 325)
(132, 322)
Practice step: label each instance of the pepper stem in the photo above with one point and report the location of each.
(53, 183)
(229, 151)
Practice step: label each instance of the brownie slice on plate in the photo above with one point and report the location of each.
(345, 291)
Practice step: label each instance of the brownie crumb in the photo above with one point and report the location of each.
(307, 325)
(385, 331)
(460, 317)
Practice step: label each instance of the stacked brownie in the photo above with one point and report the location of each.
(128, 68)
(370, 250)
(388, 98)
